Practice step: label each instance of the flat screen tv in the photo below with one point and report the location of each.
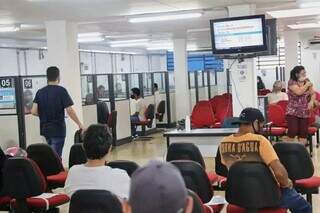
(238, 35)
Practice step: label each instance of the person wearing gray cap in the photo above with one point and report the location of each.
(158, 188)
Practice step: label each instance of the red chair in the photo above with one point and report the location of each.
(264, 92)
(49, 163)
(25, 183)
(200, 207)
(202, 115)
(283, 105)
(236, 209)
(277, 117)
(222, 108)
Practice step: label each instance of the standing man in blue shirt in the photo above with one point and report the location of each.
(50, 104)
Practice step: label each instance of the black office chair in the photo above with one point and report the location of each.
(161, 109)
(94, 201)
(197, 203)
(196, 180)
(77, 155)
(297, 161)
(129, 166)
(49, 163)
(222, 171)
(188, 151)
(252, 186)
(112, 124)
(78, 136)
(23, 181)
(102, 112)
(149, 115)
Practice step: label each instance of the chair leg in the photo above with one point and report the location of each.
(21, 207)
(309, 198)
(310, 145)
(318, 138)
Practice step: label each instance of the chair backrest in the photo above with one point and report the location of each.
(202, 115)
(220, 169)
(195, 178)
(94, 201)
(252, 185)
(283, 104)
(78, 136)
(102, 112)
(46, 158)
(77, 155)
(296, 159)
(112, 120)
(22, 178)
(276, 115)
(149, 114)
(185, 151)
(222, 107)
(161, 107)
(129, 166)
(263, 92)
(197, 203)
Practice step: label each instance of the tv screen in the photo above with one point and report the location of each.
(238, 35)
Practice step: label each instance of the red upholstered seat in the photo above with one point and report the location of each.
(313, 182)
(213, 177)
(5, 200)
(236, 209)
(46, 201)
(283, 105)
(202, 115)
(276, 115)
(58, 179)
(312, 130)
(217, 208)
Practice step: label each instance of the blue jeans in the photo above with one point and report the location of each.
(292, 200)
(57, 144)
(134, 119)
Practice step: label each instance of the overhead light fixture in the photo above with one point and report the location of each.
(304, 26)
(308, 3)
(165, 17)
(90, 39)
(93, 34)
(198, 30)
(113, 52)
(294, 12)
(139, 44)
(9, 28)
(129, 41)
(126, 36)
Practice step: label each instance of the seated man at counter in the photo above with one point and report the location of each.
(139, 110)
(249, 145)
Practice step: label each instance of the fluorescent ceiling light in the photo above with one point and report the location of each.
(308, 3)
(103, 51)
(136, 44)
(94, 34)
(9, 28)
(90, 39)
(126, 36)
(294, 12)
(198, 30)
(165, 17)
(304, 26)
(129, 41)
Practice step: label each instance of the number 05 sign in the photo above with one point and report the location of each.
(6, 83)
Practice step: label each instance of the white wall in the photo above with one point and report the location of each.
(9, 63)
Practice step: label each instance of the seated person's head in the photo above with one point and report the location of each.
(277, 86)
(97, 142)
(158, 188)
(135, 93)
(251, 120)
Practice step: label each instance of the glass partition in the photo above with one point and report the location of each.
(205, 78)
(192, 80)
(200, 78)
(134, 81)
(159, 79)
(30, 87)
(102, 88)
(171, 81)
(119, 82)
(212, 78)
(87, 90)
(147, 84)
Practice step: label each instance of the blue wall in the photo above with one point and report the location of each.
(198, 62)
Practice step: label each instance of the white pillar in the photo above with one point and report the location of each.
(63, 52)
(291, 39)
(181, 78)
(243, 76)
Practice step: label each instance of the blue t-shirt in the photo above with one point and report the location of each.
(52, 100)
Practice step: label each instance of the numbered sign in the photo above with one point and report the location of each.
(27, 83)
(6, 83)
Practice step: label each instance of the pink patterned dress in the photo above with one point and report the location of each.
(298, 104)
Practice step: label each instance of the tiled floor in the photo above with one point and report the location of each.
(143, 151)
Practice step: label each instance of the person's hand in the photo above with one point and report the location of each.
(310, 105)
(309, 84)
(81, 127)
(290, 184)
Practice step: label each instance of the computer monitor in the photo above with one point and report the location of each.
(239, 35)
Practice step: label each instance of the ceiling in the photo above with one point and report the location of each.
(111, 16)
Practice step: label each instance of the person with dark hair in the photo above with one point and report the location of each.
(156, 93)
(139, 109)
(301, 101)
(27, 101)
(158, 188)
(97, 143)
(260, 84)
(50, 104)
(249, 145)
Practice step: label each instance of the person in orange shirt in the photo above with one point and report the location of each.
(249, 145)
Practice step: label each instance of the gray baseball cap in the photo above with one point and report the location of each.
(157, 188)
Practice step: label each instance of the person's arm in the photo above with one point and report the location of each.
(34, 110)
(280, 173)
(73, 115)
(300, 90)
